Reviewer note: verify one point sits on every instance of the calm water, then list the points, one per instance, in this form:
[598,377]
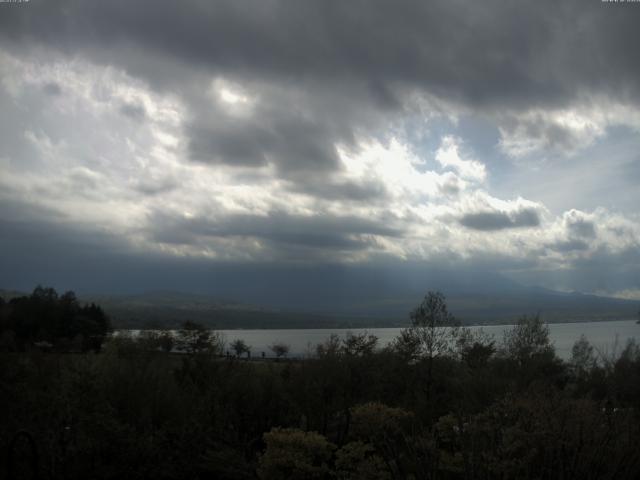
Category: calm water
[605,336]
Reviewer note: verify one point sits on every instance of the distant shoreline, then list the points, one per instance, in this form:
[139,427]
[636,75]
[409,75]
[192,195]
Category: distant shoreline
[365,327]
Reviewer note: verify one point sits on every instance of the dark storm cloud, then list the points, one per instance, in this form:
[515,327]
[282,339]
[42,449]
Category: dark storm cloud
[317,231]
[369,191]
[86,260]
[291,143]
[349,62]
[480,52]
[91,261]
[233,146]
[489,221]
[39,246]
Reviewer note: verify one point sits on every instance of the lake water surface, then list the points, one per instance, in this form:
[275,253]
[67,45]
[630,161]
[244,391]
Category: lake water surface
[606,337]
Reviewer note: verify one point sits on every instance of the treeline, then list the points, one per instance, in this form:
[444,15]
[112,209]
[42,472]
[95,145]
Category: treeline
[438,403]
[49,321]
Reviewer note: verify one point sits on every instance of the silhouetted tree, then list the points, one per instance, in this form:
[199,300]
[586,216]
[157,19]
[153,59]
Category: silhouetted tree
[195,338]
[44,318]
[280,349]
[406,345]
[432,333]
[528,338]
[332,346]
[475,348]
[359,344]
[583,357]
[239,346]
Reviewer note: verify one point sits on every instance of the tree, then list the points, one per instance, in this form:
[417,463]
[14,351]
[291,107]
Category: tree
[44,294]
[583,358]
[359,461]
[196,338]
[166,342]
[433,325]
[432,333]
[292,454]
[359,345]
[375,422]
[330,348]
[239,346]
[475,348]
[528,338]
[44,318]
[386,428]
[433,329]
[406,345]
[94,323]
[280,349]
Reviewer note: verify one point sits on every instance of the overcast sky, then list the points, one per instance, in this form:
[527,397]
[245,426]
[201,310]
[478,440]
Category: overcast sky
[157,143]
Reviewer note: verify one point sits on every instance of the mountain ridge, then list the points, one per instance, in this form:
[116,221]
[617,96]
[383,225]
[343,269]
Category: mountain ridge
[168,309]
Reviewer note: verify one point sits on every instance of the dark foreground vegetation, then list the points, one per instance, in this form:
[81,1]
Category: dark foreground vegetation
[439,403]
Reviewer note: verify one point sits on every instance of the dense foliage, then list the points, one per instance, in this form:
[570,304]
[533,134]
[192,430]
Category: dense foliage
[474,408]
[50,321]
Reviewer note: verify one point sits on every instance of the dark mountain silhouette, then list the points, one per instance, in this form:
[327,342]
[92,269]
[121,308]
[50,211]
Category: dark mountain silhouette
[334,297]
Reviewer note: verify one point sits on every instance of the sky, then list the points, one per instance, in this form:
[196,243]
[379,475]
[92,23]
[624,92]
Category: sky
[184,145]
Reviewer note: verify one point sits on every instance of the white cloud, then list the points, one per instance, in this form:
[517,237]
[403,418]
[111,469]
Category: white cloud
[232,96]
[564,131]
[448,155]
[95,165]
[396,166]
[626,294]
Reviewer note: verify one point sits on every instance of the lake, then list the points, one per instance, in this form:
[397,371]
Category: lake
[606,337]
